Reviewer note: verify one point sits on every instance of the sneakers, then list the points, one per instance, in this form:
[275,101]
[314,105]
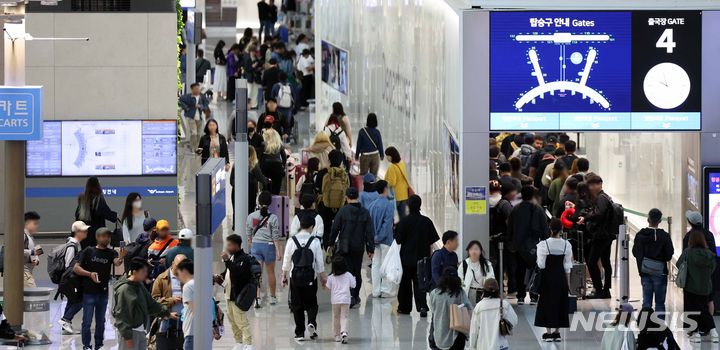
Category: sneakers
[600,294]
[521,301]
[299,338]
[258,303]
[547,337]
[556,337]
[533,301]
[344,337]
[696,338]
[249,347]
[354,302]
[273,300]
[66,327]
[239,347]
[338,339]
[312,331]
[714,335]
[423,313]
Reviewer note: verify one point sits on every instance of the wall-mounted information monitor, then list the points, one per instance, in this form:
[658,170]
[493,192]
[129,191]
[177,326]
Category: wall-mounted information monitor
[579,71]
[712,202]
[104,148]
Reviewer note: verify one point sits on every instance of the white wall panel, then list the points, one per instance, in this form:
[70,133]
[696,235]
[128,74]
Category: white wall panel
[42,26]
[44,76]
[115,39]
[104,93]
[159,78]
[160,28]
[404,66]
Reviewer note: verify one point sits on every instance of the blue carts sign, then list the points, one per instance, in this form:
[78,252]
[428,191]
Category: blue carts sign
[20,113]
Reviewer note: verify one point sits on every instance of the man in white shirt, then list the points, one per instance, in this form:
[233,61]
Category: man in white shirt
[72,248]
[307,202]
[303,293]
[306,64]
[185,271]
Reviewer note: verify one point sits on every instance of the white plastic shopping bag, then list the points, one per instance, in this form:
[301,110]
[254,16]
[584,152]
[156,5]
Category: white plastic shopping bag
[391,271]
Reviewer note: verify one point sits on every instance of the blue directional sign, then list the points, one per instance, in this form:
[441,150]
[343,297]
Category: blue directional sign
[20,113]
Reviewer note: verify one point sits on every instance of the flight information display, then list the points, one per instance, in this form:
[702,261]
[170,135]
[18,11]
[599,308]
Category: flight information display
[579,71]
[712,203]
[104,148]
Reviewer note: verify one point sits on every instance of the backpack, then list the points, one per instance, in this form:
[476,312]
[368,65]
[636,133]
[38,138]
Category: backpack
[424,273]
[284,97]
[2,255]
[247,295]
[56,261]
[136,250]
[617,219]
[525,159]
[303,273]
[335,138]
[308,187]
[334,185]
[69,284]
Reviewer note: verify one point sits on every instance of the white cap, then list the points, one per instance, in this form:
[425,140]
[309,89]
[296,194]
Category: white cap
[186,233]
[79,226]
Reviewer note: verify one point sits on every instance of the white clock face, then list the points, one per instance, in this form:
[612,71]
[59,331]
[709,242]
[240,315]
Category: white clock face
[666,85]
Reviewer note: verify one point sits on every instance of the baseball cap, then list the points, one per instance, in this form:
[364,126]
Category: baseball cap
[79,226]
[694,217]
[149,224]
[186,233]
[352,193]
[369,178]
[270,120]
[162,224]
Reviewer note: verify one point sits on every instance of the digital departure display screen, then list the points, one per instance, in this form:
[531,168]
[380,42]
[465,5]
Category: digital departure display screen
[712,203]
[595,70]
[104,148]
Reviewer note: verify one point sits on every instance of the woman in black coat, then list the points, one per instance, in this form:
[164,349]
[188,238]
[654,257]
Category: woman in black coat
[93,210]
[213,144]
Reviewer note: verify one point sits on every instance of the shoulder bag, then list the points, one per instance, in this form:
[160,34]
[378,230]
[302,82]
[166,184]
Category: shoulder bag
[460,318]
[650,266]
[371,139]
[505,326]
[411,191]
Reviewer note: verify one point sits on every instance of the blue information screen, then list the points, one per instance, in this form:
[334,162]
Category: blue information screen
[574,71]
[218,196]
[712,201]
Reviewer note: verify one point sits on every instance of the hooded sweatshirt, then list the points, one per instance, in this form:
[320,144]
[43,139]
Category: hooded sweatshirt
[652,243]
[133,304]
[321,151]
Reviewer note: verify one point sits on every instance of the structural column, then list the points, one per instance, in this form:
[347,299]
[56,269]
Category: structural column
[14,167]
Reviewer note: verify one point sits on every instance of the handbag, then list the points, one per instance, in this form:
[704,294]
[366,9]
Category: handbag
[652,267]
[535,281]
[460,318]
[505,326]
[411,191]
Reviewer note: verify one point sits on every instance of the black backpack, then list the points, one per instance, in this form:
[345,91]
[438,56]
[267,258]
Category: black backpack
[616,219]
[303,259]
[136,250]
[308,187]
[247,295]
[424,273]
[335,139]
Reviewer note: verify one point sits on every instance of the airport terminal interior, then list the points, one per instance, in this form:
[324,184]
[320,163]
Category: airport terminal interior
[421,174]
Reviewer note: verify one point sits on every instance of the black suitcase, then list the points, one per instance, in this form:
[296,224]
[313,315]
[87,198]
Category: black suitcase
[577,285]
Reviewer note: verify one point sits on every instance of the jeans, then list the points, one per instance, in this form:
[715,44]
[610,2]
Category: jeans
[377,260]
[94,305]
[654,285]
[71,309]
[402,208]
[268,27]
[188,344]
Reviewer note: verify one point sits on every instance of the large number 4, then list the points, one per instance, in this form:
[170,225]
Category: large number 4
[666,41]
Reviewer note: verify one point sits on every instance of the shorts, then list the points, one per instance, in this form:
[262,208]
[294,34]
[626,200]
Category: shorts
[263,251]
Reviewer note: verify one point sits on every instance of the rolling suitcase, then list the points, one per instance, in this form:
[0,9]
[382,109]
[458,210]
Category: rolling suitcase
[280,206]
[577,273]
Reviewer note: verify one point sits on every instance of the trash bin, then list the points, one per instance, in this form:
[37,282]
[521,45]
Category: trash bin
[36,314]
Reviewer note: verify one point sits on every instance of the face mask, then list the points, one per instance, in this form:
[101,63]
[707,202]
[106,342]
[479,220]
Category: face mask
[137,204]
[251,130]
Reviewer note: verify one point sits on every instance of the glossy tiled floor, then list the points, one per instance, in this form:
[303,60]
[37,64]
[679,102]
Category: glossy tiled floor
[374,325]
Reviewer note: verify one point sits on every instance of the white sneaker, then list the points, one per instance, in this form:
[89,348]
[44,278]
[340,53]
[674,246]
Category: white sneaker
[66,327]
[344,337]
[249,347]
[714,335]
[337,339]
[312,331]
[239,346]
[273,300]
[696,338]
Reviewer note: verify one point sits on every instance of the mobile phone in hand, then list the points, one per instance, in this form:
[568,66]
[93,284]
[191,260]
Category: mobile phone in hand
[122,244]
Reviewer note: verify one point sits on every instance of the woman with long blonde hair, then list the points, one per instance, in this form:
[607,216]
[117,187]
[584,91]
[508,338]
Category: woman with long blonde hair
[272,161]
[320,149]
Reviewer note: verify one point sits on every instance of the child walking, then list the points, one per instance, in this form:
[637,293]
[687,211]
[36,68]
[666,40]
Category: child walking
[340,283]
